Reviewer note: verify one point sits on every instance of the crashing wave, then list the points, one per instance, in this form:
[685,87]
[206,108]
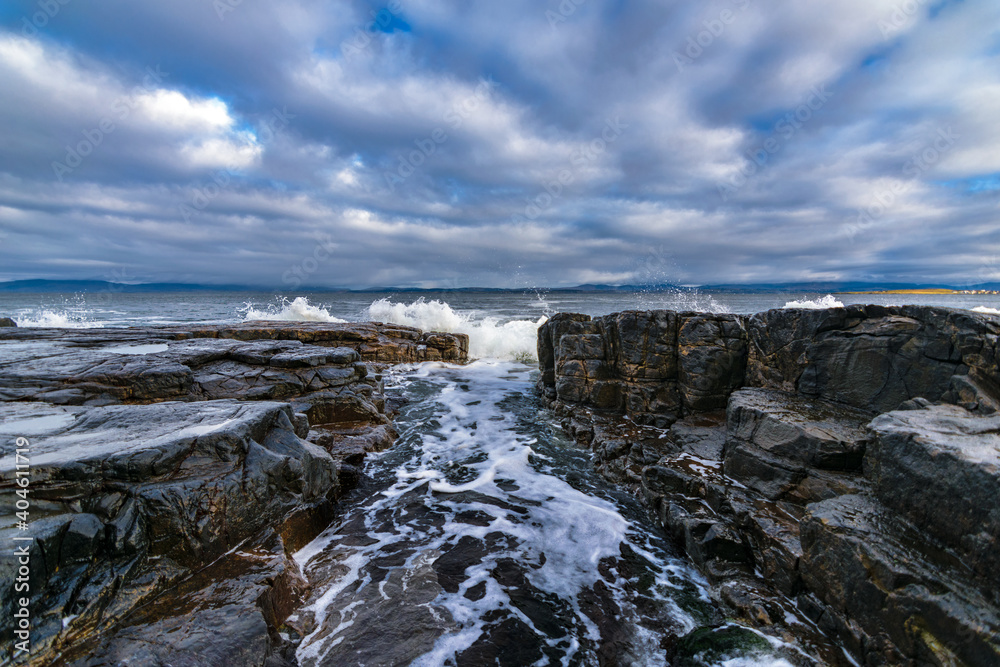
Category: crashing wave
[297,310]
[489,337]
[828,301]
[59,320]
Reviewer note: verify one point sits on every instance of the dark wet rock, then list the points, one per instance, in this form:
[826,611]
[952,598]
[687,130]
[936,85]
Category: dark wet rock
[349,475]
[940,468]
[702,434]
[351,444]
[453,563]
[712,352]
[773,533]
[177,370]
[622,363]
[801,388]
[223,614]
[906,595]
[333,408]
[7,322]
[782,445]
[709,541]
[876,357]
[372,341]
[391,623]
[705,646]
[505,643]
[549,335]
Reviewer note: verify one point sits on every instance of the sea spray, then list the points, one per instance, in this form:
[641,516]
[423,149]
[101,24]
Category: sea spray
[489,337]
[828,301]
[57,319]
[297,310]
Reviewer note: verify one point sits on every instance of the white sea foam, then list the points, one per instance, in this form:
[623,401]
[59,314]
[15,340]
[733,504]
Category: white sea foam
[57,319]
[297,310]
[489,337]
[986,309]
[692,299]
[756,661]
[828,301]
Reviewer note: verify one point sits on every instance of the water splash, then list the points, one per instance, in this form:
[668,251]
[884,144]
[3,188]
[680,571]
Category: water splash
[297,310]
[64,319]
[489,337]
[828,301]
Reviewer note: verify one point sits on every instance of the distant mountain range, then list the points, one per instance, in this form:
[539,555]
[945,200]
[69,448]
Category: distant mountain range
[84,286]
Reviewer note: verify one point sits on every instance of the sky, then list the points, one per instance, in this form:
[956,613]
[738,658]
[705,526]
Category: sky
[524,143]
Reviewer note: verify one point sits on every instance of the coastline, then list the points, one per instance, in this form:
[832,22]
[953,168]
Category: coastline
[927,292]
[217,451]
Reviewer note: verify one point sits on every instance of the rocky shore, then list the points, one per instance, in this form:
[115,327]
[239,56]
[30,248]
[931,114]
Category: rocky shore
[173,470]
[835,474]
[842,464]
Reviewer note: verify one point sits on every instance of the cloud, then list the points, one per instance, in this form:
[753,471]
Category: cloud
[470,144]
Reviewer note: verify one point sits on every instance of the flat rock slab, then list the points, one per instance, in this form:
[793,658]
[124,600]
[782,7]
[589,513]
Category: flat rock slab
[126,441]
[374,341]
[940,467]
[816,432]
[200,369]
[126,498]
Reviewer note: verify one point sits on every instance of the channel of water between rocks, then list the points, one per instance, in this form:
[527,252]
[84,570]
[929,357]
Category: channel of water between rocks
[485,536]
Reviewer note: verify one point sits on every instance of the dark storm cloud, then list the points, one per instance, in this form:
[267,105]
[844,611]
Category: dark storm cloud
[503,144]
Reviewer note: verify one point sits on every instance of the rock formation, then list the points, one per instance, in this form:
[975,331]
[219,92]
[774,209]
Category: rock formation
[846,461]
[173,472]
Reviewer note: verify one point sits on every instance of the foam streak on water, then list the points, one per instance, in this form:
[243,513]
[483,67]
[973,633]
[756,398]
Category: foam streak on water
[485,533]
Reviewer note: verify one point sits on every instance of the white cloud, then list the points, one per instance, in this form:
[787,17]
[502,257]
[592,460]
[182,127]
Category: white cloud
[354,121]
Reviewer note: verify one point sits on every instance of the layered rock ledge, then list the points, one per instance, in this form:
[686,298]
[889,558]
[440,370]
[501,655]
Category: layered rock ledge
[838,466]
[173,470]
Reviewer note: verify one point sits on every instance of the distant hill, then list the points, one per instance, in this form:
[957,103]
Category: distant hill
[840,287]
[84,286]
[74,286]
